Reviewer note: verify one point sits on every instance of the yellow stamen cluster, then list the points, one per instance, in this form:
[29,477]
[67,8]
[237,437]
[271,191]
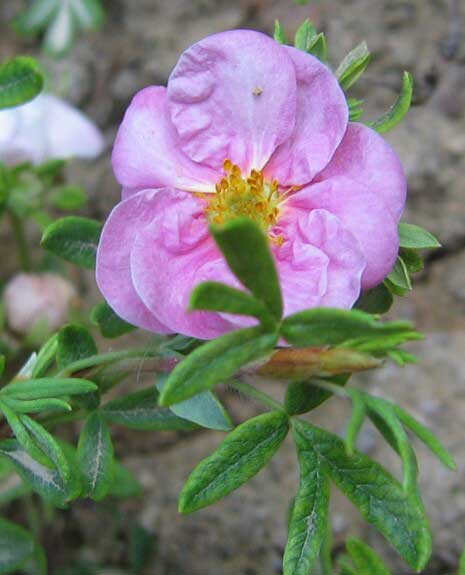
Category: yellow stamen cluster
[239,196]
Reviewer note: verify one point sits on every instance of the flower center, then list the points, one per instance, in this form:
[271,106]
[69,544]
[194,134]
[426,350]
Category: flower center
[237,196]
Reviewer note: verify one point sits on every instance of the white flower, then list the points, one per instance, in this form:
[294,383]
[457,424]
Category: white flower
[34,299]
[47,128]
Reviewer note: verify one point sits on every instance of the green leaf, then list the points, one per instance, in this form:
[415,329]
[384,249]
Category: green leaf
[353,66]
[124,484]
[355,424]
[95,456]
[45,357]
[416,238]
[279,34]
[109,324]
[16,547]
[318,47]
[74,343]
[68,197]
[204,409]
[73,239]
[2,365]
[428,438]
[61,31]
[53,450]
[47,387]
[366,561]
[304,36]
[45,481]
[379,497]
[399,275]
[140,410]
[309,519]
[23,436]
[36,16]
[248,254]
[243,453]
[398,111]
[303,396]
[20,82]
[331,326]
[36,405]
[215,362]
[377,300]
[142,545]
[88,13]
[214,296]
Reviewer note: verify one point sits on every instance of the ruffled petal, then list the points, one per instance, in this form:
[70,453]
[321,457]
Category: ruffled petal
[319,263]
[321,121]
[233,95]
[147,153]
[113,259]
[363,213]
[366,158]
[173,254]
[69,132]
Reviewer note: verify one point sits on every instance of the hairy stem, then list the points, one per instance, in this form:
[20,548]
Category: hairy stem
[256,394]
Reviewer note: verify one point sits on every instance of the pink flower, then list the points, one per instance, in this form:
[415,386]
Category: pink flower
[47,128]
[246,127]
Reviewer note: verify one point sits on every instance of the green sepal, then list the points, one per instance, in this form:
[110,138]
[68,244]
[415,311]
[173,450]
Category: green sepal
[377,300]
[279,35]
[304,35]
[398,111]
[353,66]
[416,238]
[108,322]
[319,47]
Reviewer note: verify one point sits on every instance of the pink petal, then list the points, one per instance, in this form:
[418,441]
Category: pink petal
[173,254]
[320,263]
[69,132]
[233,95]
[321,122]
[366,158]
[363,213]
[147,154]
[113,259]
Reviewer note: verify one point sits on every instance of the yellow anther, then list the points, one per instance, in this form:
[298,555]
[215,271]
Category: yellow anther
[252,196]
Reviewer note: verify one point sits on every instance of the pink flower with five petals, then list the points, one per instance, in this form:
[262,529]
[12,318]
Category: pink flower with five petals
[249,127]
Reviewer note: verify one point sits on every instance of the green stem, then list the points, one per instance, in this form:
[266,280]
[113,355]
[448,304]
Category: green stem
[21,241]
[105,358]
[256,394]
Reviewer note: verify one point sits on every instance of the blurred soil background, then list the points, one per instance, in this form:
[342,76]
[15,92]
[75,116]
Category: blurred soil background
[245,534]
